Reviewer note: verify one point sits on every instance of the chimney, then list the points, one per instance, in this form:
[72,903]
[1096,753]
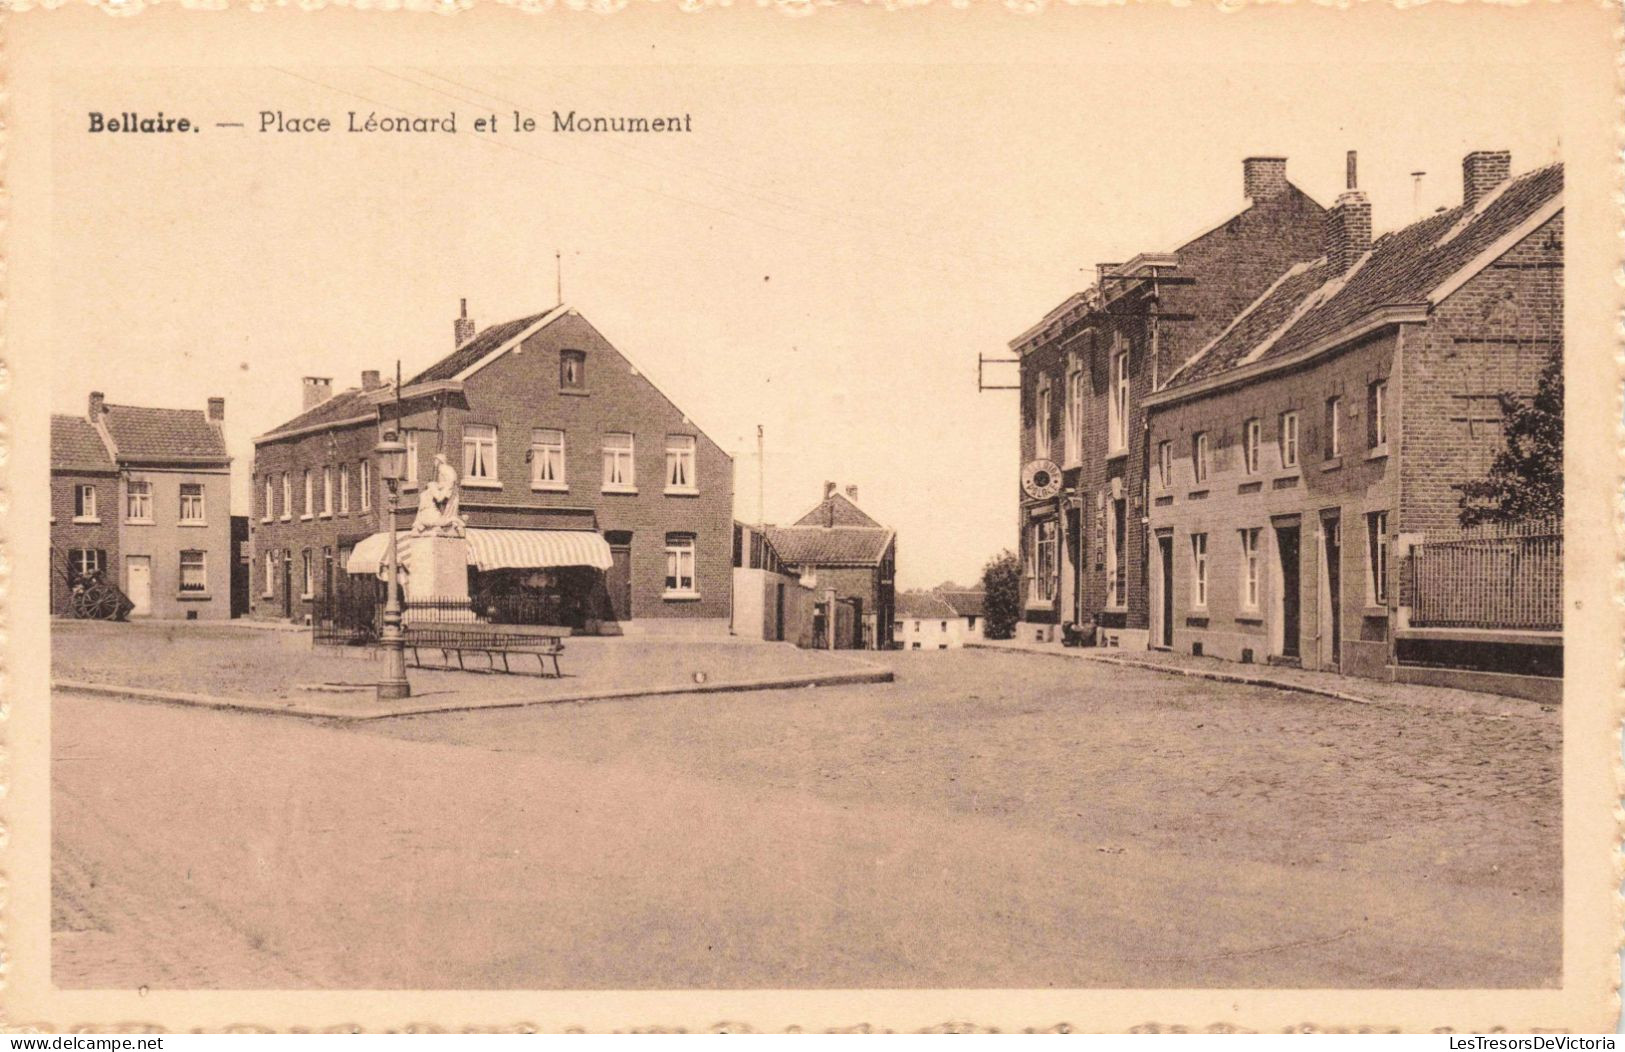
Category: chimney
[317,389]
[1263,177]
[1481,172]
[463,327]
[829,490]
[217,410]
[96,408]
[852,494]
[370,380]
[1348,225]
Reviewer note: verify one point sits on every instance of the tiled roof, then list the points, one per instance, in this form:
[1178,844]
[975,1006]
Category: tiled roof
[486,341]
[1309,304]
[75,444]
[804,546]
[143,433]
[923,605]
[966,603]
[837,510]
[345,405]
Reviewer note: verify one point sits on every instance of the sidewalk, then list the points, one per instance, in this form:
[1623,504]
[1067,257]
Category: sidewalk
[1323,684]
[277,672]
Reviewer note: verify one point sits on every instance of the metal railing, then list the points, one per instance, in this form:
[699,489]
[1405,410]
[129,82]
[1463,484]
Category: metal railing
[1507,577]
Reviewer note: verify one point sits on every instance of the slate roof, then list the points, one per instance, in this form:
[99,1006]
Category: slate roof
[75,444]
[966,603]
[345,405]
[923,605]
[837,510]
[483,343]
[1308,303]
[804,546]
[143,433]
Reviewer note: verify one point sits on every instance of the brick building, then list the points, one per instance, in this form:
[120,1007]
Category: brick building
[1086,369]
[1313,443]
[837,545]
[555,435]
[143,496]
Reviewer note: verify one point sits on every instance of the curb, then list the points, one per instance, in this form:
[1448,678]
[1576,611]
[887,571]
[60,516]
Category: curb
[870,674]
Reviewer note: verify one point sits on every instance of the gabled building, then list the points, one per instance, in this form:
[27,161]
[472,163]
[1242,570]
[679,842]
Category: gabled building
[142,496]
[938,620]
[837,545]
[1086,370]
[1312,444]
[569,460]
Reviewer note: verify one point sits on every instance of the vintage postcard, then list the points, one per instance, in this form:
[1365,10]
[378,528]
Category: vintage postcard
[1022,518]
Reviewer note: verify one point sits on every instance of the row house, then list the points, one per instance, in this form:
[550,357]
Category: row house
[141,497]
[1086,370]
[941,619]
[1310,446]
[838,546]
[565,451]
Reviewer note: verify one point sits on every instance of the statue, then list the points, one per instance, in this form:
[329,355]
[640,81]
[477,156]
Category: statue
[437,504]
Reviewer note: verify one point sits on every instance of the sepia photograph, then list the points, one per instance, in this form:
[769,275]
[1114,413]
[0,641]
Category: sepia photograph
[781,513]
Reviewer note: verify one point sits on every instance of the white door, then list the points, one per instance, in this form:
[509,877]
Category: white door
[138,583]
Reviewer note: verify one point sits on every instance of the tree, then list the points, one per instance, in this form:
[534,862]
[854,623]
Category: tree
[1001,604]
[1525,481]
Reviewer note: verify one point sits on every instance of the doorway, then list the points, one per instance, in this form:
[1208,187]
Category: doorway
[1331,532]
[618,578]
[1288,599]
[778,613]
[1165,568]
[287,584]
[138,576]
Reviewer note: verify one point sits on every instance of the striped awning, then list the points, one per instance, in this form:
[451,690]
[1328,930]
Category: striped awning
[496,550]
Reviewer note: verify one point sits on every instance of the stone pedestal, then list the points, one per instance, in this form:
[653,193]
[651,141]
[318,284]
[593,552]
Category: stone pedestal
[438,572]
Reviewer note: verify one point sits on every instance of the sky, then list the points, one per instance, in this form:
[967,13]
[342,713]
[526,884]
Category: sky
[825,255]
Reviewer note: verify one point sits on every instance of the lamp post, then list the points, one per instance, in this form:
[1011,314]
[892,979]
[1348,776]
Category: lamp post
[392,684]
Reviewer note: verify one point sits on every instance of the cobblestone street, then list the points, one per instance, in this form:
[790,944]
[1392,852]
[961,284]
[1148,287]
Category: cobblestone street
[987,820]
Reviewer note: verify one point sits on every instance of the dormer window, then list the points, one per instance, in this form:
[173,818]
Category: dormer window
[572,370]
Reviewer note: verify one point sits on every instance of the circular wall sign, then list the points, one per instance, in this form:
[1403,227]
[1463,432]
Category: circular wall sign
[1041,479]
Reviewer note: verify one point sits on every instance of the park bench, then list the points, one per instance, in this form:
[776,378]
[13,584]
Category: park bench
[457,638]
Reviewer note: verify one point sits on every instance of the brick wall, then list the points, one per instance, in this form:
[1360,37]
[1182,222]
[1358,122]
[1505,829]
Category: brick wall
[67,535]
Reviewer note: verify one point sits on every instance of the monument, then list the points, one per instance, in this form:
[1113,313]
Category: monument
[438,566]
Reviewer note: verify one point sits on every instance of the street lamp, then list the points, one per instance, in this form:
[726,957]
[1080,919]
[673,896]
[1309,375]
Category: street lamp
[391,454]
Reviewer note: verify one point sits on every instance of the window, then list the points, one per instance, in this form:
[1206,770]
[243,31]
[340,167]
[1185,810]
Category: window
[366,485]
[194,572]
[572,370]
[680,464]
[84,503]
[1165,463]
[344,489]
[1117,411]
[1376,538]
[1041,422]
[1249,568]
[479,453]
[618,467]
[310,496]
[1041,564]
[680,564]
[192,502]
[270,576]
[1251,432]
[1199,456]
[944,627]
[138,501]
[327,490]
[1334,427]
[411,440]
[287,497]
[1074,416]
[1376,405]
[547,459]
[1289,440]
[82,561]
[310,575]
[270,501]
[1199,570]
[1117,556]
